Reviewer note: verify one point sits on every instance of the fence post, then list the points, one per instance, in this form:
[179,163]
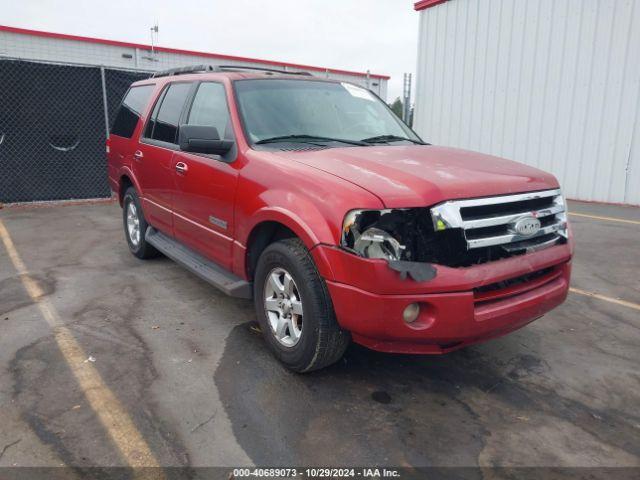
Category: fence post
[104,102]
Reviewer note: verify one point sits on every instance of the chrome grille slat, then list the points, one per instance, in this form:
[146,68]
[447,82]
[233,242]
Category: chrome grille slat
[449,215]
[506,219]
[512,238]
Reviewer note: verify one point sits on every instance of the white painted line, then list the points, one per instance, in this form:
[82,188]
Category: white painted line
[617,301]
[608,219]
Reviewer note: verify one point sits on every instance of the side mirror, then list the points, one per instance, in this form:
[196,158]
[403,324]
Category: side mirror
[202,139]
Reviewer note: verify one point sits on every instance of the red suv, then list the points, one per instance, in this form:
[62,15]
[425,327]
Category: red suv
[310,196]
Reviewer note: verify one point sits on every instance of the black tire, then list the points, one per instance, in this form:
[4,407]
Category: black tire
[142,250]
[322,342]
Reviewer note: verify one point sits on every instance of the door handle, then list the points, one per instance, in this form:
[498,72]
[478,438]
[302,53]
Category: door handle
[138,155]
[181,167]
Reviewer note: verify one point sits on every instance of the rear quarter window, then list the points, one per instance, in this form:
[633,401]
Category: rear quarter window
[130,110]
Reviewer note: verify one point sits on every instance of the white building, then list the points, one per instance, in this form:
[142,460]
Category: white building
[23,44]
[550,83]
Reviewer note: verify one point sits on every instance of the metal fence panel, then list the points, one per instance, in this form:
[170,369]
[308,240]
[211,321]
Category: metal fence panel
[52,129]
[118,82]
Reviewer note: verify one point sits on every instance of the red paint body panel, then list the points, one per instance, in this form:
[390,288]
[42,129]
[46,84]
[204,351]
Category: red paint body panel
[447,320]
[310,193]
[154,172]
[414,176]
[374,276]
[207,189]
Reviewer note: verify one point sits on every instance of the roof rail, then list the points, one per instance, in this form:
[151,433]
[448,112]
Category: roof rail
[218,68]
[231,68]
[185,70]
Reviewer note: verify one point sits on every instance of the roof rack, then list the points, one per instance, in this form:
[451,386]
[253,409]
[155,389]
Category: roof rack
[219,68]
[231,68]
[185,70]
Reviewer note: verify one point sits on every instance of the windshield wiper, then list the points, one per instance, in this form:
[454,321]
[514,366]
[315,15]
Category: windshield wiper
[308,139]
[390,138]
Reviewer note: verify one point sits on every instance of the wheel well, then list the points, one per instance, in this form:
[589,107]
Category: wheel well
[263,235]
[125,183]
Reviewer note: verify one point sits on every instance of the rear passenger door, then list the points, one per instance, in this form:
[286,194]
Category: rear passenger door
[153,159]
[205,185]
[121,144]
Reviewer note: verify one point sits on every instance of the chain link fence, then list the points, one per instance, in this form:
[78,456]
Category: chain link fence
[53,129]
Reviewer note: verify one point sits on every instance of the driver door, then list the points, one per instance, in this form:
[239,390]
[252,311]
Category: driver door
[205,184]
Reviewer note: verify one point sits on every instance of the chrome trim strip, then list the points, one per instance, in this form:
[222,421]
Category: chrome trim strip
[512,237]
[530,248]
[448,215]
[449,211]
[196,224]
[494,221]
[147,199]
[476,202]
[210,230]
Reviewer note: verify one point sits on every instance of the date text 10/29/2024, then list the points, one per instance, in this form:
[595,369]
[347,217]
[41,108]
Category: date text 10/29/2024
[321,472]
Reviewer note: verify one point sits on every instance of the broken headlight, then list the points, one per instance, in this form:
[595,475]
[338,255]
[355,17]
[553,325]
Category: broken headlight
[369,234]
[401,234]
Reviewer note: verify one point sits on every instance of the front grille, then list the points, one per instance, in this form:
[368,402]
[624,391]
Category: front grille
[512,282]
[491,221]
[495,210]
[516,286]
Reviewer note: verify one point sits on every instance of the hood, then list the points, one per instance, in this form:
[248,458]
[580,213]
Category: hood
[417,175]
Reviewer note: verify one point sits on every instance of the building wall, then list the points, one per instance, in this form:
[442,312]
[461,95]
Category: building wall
[51,49]
[551,83]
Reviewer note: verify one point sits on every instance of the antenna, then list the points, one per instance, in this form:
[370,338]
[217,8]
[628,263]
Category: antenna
[406,98]
[154,29]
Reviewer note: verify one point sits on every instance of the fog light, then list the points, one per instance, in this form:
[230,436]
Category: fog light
[411,312]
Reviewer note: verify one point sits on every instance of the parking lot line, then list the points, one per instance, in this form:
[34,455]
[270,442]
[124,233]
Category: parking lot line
[112,414]
[608,219]
[617,301]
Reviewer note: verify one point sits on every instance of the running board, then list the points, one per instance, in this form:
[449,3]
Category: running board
[196,263]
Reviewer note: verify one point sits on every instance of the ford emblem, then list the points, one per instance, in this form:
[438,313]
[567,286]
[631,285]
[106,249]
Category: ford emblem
[526,226]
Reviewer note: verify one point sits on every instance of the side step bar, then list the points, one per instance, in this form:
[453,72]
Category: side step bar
[202,267]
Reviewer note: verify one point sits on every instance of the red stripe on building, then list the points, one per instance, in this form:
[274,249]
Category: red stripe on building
[424,4]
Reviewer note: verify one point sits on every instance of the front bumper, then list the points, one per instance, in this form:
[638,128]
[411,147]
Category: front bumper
[460,306]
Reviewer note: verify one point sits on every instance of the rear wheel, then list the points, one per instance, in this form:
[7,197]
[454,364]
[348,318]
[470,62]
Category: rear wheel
[295,310]
[135,226]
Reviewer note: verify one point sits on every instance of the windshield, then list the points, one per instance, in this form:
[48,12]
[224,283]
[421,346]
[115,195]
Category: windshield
[311,110]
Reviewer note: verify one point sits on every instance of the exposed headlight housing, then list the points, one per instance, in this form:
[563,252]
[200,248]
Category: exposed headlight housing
[362,238]
[376,243]
[402,234]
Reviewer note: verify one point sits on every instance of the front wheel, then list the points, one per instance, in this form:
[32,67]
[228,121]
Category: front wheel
[294,308]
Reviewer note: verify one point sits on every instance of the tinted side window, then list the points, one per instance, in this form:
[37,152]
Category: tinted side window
[166,123]
[151,123]
[129,112]
[210,108]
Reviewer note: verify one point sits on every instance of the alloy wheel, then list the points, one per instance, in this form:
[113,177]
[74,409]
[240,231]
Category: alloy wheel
[283,307]
[133,224]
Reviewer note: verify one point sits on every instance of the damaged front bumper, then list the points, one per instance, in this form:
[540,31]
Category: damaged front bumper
[458,306]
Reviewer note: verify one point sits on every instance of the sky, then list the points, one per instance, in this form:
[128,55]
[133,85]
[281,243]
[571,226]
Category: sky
[376,35]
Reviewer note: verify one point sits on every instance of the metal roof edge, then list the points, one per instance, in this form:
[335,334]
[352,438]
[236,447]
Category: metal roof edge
[424,4]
